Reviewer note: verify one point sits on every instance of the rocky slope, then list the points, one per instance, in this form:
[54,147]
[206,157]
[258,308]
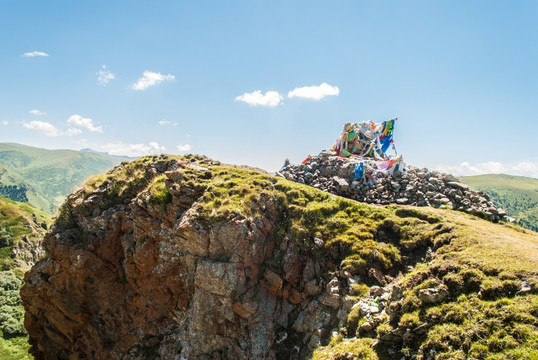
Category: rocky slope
[186,258]
[22,228]
[410,185]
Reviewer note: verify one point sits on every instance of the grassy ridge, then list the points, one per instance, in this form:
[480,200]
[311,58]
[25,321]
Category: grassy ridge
[47,175]
[517,195]
[483,265]
[16,222]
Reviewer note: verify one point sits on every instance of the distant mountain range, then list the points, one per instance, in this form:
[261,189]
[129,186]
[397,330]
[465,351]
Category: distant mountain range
[43,177]
[517,195]
[118,157]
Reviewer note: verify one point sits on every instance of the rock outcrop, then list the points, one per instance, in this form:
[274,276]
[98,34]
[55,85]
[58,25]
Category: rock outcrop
[418,187]
[184,258]
[148,277]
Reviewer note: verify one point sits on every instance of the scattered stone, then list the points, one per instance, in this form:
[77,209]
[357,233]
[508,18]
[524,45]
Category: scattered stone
[410,186]
[378,275]
[318,242]
[408,336]
[525,288]
[332,300]
[367,326]
[376,291]
[433,295]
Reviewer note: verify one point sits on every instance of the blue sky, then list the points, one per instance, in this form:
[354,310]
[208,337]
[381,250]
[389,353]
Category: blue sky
[215,78]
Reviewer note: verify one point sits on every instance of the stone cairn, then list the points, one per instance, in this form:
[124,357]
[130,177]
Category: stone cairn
[403,185]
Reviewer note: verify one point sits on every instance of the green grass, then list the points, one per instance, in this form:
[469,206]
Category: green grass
[501,328]
[481,263]
[517,195]
[15,222]
[15,349]
[49,175]
[358,349]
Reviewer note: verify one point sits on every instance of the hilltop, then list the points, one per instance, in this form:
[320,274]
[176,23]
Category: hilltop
[43,177]
[22,228]
[184,256]
[518,195]
[390,181]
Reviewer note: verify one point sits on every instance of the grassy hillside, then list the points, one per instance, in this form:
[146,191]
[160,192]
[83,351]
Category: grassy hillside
[483,276]
[517,195]
[19,230]
[45,177]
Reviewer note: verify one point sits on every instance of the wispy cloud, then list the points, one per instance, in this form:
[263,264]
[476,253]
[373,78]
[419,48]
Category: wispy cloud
[314,92]
[183,148]
[122,149]
[37,112]
[84,123]
[256,98]
[48,129]
[42,127]
[34,54]
[4,122]
[165,122]
[150,79]
[522,168]
[104,75]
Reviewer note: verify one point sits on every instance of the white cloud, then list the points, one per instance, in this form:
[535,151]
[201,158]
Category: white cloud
[4,122]
[523,168]
[256,98]
[122,149]
[104,75]
[527,167]
[42,127]
[314,92]
[84,123]
[183,148]
[34,54]
[150,79]
[48,129]
[37,112]
[167,122]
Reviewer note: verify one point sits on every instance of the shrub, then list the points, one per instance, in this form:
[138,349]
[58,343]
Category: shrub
[410,320]
[5,238]
[11,311]
[353,320]
[358,349]
[360,290]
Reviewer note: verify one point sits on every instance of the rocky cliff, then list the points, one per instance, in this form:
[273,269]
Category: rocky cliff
[186,258]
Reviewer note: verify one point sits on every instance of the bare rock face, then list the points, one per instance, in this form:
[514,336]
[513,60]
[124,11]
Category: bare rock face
[140,280]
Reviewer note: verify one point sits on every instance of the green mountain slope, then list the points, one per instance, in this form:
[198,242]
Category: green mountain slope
[22,228]
[518,195]
[44,178]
